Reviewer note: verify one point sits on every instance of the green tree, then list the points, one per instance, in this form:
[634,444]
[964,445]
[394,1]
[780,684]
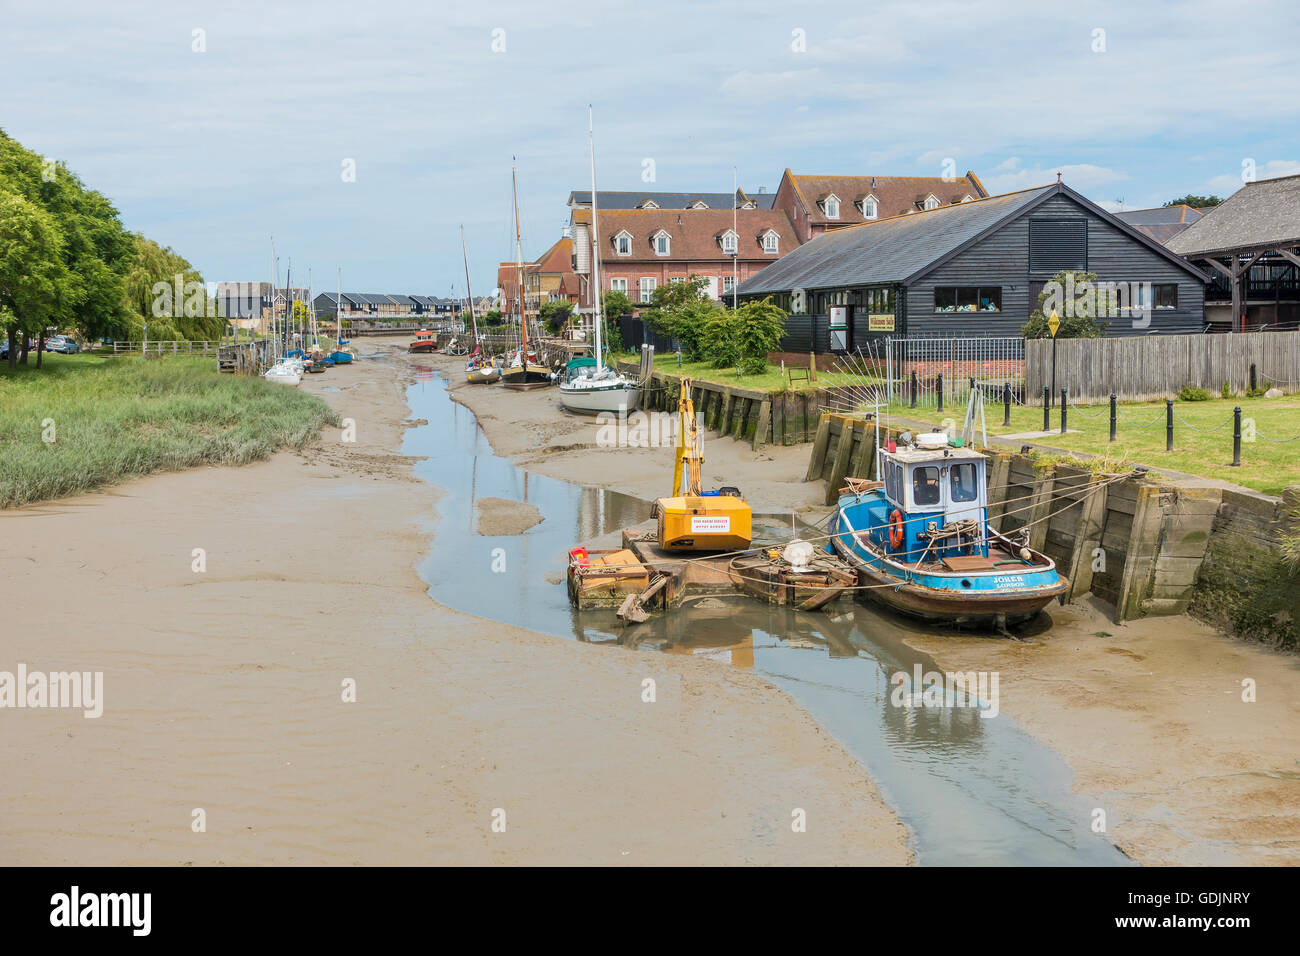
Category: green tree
[1073,296]
[152,297]
[683,311]
[759,328]
[33,277]
[555,315]
[1196,202]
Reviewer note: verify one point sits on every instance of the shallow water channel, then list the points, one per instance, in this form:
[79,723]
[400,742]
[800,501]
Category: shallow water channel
[971,790]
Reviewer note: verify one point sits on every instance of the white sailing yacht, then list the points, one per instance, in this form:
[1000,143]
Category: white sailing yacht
[593,387]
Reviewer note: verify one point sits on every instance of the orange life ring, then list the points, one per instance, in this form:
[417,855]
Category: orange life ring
[896,533]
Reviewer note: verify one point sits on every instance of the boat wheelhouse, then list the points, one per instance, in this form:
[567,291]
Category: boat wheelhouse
[921,541]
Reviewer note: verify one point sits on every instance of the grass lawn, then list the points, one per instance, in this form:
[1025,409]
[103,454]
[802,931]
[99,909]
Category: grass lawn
[770,381]
[115,418]
[1266,466]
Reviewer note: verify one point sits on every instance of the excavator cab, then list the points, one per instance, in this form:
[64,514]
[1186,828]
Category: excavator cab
[693,519]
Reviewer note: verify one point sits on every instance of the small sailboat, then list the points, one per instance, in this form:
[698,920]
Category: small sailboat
[921,541]
[523,371]
[283,372]
[479,369]
[590,386]
[340,355]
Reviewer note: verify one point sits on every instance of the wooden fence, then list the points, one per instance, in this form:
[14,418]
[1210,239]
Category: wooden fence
[1142,368]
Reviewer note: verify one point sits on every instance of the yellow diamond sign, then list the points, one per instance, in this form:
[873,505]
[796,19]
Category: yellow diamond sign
[1054,323]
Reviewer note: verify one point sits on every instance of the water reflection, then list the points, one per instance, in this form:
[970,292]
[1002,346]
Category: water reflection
[970,789]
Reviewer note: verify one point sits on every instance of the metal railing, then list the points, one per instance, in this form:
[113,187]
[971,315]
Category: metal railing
[173,347]
[940,373]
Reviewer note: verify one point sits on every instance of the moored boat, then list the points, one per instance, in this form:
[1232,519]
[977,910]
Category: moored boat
[591,389]
[921,541]
[425,341]
[285,373]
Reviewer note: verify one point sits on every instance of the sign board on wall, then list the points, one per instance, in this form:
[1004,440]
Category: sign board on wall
[880,322]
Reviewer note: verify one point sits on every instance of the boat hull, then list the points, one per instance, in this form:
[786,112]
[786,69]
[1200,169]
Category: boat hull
[422,347]
[483,376]
[526,377]
[594,400]
[958,599]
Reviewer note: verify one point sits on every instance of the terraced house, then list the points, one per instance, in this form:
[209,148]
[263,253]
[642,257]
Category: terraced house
[643,248]
[819,204]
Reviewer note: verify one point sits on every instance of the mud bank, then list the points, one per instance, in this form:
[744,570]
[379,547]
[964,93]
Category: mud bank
[224,692]
[1149,714]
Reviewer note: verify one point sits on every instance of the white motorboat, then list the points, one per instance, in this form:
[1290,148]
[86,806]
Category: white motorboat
[286,372]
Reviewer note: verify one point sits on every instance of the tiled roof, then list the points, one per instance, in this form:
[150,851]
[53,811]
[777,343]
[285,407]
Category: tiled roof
[558,258]
[1260,215]
[889,250]
[895,195]
[695,233]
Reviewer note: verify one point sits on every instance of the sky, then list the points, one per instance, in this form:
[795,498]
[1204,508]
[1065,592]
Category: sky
[219,128]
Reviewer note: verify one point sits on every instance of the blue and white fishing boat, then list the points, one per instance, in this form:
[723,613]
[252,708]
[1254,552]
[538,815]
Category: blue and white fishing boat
[924,529]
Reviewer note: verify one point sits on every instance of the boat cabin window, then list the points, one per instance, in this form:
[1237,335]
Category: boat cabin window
[925,485]
[894,482]
[963,482]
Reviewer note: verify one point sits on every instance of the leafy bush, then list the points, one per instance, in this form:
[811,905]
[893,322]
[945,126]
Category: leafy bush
[1192,393]
[1083,323]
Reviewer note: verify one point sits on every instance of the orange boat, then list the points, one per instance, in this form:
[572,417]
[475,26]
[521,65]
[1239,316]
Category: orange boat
[424,342]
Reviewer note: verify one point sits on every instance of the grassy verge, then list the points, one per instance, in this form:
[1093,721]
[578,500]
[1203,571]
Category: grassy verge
[116,418]
[770,381]
[1202,436]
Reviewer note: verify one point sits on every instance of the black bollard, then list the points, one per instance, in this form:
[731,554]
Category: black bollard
[938,389]
[1254,382]
[1236,432]
[1047,409]
[1169,424]
[914,388]
[1063,411]
[1006,404]
[1112,416]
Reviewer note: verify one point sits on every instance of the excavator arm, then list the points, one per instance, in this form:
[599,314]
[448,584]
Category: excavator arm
[689,459]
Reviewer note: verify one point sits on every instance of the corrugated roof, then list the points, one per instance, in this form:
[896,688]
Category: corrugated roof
[1260,215]
[888,250]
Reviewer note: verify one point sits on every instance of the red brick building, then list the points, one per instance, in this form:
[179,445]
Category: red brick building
[642,249]
[817,204]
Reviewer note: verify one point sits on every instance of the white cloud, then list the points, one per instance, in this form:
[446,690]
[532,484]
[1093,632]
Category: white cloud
[1228,183]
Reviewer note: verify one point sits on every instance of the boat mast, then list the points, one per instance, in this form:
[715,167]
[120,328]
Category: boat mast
[469,292]
[595,242]
[519,261]
[338,314]
[270,329]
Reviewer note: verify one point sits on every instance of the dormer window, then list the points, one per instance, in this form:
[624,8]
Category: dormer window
[968,198]
[749,204]
[698,204]
[771,240]
[931,202]
[870,207]
[831,206]
[623,243]
[662,242]
[648,204]
[729,242]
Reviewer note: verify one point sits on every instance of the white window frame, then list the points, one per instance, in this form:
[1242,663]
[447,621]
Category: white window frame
[728,285]
[649,204]
[618,243]
[870,207]
[828,202]
[647,287]
[618,284]
[771,241]
[931,202]
[734,239]
[698,204]
[968,198]
[668,243]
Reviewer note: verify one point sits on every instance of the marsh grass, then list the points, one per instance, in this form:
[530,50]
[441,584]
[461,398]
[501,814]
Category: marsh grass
[117,418]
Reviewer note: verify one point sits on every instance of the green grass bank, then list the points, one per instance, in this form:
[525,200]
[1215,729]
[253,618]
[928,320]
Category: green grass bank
[87,421]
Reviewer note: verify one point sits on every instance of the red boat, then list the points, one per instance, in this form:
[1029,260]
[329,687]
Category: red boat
[425,341]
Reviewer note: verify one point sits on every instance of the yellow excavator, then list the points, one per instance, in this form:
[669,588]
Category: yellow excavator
[694,519]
